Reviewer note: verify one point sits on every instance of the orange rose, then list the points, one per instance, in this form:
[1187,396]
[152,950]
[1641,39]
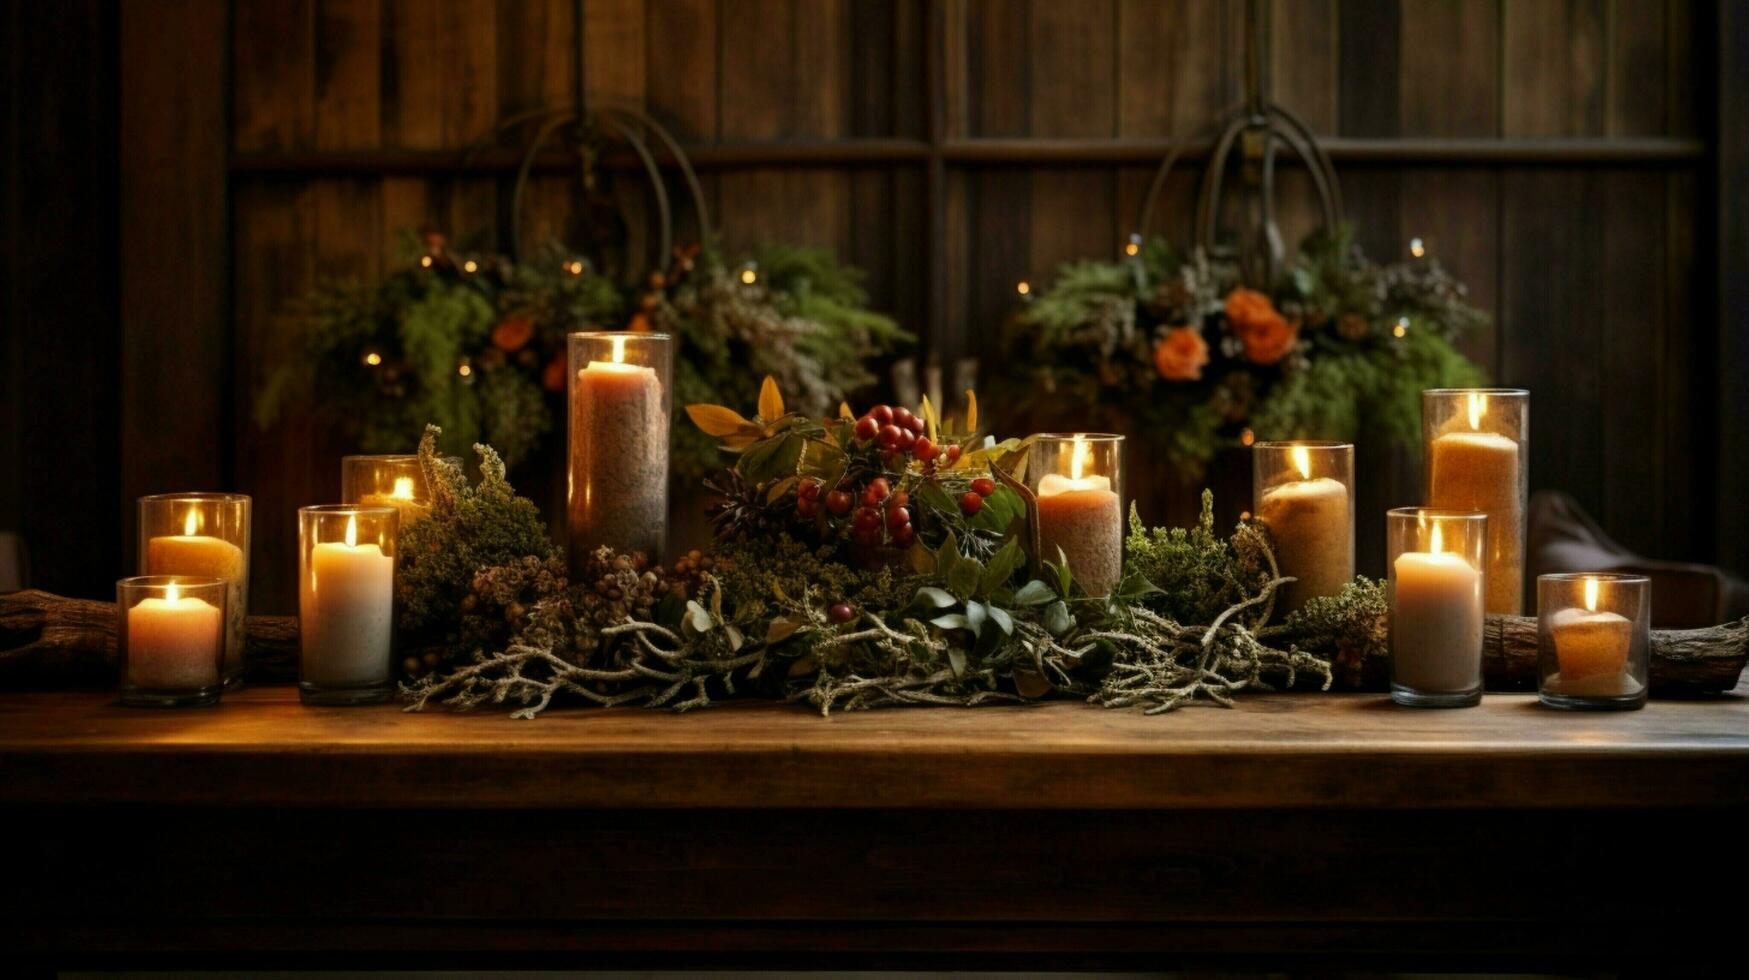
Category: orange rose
[1266,335]
[1181,354]
[513,333]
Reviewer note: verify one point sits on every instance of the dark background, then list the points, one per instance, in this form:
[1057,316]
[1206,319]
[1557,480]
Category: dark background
[174,174]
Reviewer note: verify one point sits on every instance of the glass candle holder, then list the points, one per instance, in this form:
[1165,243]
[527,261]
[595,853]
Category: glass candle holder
[1438,581]
[1078,480]
[395,481]
[346,602]
[170,639]
[1304,492]
[1594,640]
[1476,444]
[617,493]
[204,534]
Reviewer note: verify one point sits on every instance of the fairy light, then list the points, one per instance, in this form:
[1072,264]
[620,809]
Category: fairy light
[1023,287]
[424,261]
[372,359]
[465,369]
[1401,328]
[1247,437]
[749,276]
[1133,246]
[1417,248]
[470,266]
[574,267]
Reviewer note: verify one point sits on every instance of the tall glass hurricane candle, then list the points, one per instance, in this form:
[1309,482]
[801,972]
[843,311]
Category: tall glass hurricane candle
[388,481]
[204,534]
[170,639]
[617,494]
[1077,478]
[1594,645]
[346,602]
[1477,443]
[1437,582]
[1304,492]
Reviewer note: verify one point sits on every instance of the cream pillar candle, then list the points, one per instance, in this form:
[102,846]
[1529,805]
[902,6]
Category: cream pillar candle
[1436,608]
[1476,462]
[346,605]
[402,498]
[1311,518]
[389,480]
[170,638]
[618,492]
[1080,507]
[1593,645]
[173,642]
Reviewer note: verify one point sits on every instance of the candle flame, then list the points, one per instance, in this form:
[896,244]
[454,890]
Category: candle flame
[1591,595]
[1438,543]
[1302,462]
[190,522]
[172,593]
[1478,407]
[619,350]
[1078,458]
[352,531]
[403,488]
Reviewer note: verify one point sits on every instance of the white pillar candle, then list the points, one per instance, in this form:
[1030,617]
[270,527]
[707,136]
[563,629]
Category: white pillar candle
[1436,622]
[174,643]
[346,612]
[202,555]
[1082,516]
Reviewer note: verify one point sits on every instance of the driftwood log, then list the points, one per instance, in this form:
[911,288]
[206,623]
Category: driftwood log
[50,641]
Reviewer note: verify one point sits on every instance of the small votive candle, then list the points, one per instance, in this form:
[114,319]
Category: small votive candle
[1477,448]
[202,534]
[1304,493]
[617,493]
[395,481]
[1077,478]
[170,639]
[346,602]
[1438,579]
[1593,640]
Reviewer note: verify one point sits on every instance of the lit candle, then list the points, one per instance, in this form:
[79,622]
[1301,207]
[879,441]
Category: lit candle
[1082,516]
[174,643]
[1436,621]
[1313,527]
[403,498]
[195,554]
[346,613]
[619,458]
[1476,469]
[1591,648]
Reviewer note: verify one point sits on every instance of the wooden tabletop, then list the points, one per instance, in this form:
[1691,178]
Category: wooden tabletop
[261,747]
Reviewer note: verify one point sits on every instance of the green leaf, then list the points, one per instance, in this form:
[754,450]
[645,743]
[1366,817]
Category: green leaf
[1135,585]
[823,461]
[1034,593]
[781,487]
[933,598]
[1000,510]
[1003,621]
[935,498]
[1057,618]
[1001,567]
[963,578]
[976,614]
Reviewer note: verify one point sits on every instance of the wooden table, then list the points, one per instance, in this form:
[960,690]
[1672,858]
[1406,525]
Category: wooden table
[1321,829]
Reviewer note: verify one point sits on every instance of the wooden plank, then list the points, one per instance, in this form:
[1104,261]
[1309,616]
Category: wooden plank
[1446,88]
[1304,64]
[467,49]
[1682,504]
[273,57]
[1073,93]
[1553,60]
[175,398]
[413,96]
[1731,261]
[1318,751]
[537,54]
[684,99]
[998,69]
[1369,34]
[348,68]
[1456,214]
[1627,341]
[1638,72]
[1170,73]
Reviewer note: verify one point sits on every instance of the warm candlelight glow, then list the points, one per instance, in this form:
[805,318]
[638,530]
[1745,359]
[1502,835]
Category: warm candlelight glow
[1591,594]
[403,488]
[191,523]
[172,593]
[1478,406]
[352,531]
[1078,458]
[619,350]
[1437,545]
[1302,462]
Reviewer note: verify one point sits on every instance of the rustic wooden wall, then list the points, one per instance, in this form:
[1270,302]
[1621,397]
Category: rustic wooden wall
[1559,155]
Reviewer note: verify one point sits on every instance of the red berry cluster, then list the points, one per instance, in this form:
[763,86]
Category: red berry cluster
[899,433]
[972,500]
[882,515]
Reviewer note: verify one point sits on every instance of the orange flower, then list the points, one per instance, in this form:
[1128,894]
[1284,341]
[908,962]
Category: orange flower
[513,332]
[1181,354]
[1266,335]
[640,323]
[553,378]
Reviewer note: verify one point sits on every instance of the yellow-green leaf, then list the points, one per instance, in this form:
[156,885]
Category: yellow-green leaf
[770,400]
[929,419]
[716,420]
[845,413]
[971,411]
